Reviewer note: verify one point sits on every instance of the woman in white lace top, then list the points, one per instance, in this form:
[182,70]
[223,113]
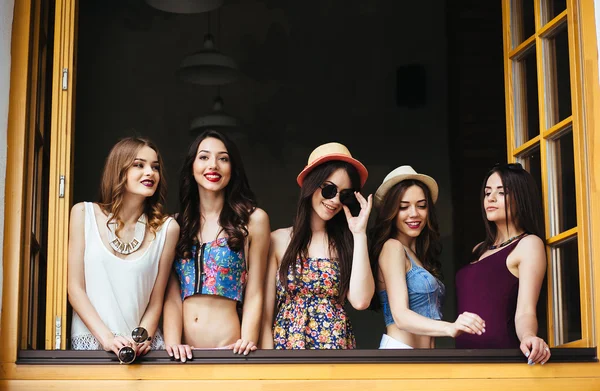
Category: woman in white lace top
[120,253]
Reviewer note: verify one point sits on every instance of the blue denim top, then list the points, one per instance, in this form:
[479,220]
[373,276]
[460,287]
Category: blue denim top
[425,294]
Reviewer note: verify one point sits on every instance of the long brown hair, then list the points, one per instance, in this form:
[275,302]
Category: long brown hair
[522,198]
[428,243]
[339,236]
[114,180]
[239,199]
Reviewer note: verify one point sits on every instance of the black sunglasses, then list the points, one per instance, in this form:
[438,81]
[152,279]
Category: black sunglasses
[329,191]
[127,354]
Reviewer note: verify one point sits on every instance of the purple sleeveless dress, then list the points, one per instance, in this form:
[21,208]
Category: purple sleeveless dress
[488,289]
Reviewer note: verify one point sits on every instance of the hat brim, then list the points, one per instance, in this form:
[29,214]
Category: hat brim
[387,185]
[362,170]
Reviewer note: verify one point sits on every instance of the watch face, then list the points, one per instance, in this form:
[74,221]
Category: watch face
[126,355]
[139,335]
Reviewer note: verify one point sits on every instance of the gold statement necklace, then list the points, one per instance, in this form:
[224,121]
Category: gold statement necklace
[508,241]
[118,244]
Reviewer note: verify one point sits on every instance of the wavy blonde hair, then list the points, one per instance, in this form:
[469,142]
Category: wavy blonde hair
[114,179]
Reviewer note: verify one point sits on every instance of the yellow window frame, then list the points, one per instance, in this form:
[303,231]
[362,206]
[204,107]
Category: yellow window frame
[290,376]
[518,149]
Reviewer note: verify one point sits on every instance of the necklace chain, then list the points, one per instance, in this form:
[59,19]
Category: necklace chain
[118,244]
[508,241]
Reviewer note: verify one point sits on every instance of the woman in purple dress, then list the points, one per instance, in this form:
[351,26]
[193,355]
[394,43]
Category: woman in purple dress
[503,281]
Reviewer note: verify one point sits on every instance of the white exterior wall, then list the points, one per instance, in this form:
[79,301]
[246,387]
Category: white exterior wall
[6,21]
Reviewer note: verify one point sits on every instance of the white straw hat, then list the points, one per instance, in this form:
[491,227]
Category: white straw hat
[400,174]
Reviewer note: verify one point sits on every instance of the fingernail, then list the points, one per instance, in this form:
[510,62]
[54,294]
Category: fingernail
[189,356]
[527,354]
[529,362]
[183,359]
[484,330]
[543,362]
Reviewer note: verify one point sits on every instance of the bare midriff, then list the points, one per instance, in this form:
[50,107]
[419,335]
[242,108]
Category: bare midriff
[412,340]
[210,322]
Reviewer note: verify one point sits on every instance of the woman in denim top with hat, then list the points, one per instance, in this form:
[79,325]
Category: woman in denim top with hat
[405,247]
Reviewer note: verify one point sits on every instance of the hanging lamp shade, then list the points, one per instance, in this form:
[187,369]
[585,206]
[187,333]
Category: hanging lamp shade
[216,119]
[185,6]
[208,66]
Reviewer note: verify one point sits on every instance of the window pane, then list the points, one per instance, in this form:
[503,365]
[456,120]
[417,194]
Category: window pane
[567,306]
[551,9]
[562,202]
[556,59]
[532,162]
[522,20]
[527,120]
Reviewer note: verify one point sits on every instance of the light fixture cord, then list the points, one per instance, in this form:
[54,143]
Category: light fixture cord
[219,41]
[219,25]
[208,21]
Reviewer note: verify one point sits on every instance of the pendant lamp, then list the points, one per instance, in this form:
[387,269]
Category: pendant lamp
[216,119]
[185,6]
[208,66]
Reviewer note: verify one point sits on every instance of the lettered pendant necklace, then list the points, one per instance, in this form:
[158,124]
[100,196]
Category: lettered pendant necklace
[138,238]
[508,241]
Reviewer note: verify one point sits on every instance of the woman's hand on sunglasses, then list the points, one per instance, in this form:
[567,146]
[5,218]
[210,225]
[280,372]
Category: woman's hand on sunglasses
[180,352]
[358,224]
[116,343]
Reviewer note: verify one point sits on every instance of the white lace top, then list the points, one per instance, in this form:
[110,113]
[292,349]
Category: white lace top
[118,289]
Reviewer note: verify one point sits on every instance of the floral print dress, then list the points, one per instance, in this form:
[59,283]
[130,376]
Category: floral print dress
[309,315]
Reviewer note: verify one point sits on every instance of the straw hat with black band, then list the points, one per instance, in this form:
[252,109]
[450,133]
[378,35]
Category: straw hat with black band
[330,152]
[403,173]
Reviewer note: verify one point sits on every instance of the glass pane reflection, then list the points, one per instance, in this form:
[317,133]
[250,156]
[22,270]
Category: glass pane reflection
[567,311]
[556,57]
[527,121]
[552,9]
[563,200]
[532,162]
[522,20]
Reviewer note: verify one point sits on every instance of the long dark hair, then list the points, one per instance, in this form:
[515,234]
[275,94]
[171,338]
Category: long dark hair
[239,199]
[428,243]
[521,196]
[339,237]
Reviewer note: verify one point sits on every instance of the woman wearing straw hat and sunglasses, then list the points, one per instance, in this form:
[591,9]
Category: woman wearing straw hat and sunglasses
[322,260]
[405,247]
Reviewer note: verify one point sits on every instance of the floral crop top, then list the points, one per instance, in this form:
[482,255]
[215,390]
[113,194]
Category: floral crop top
[223,271]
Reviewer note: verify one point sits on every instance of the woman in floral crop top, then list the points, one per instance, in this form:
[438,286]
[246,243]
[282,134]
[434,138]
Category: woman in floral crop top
[221,254]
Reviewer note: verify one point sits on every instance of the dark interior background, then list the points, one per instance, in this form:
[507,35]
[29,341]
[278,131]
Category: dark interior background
[418,83]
